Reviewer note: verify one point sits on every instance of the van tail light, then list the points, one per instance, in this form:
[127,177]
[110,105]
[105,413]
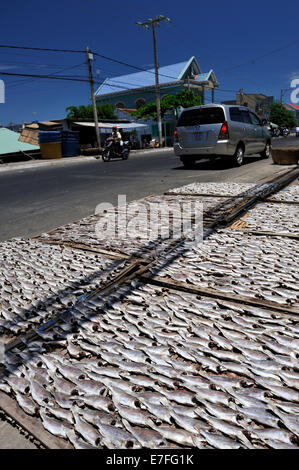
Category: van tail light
[223,134]
[176,137]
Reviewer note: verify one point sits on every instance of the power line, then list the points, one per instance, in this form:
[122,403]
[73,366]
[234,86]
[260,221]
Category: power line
[78,51]
[40,49]
[53,77]
[28,80]
[261,56]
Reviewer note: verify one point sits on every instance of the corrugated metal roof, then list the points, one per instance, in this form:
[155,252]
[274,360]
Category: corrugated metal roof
[9,142]
[110,125]
[167,74]
[202,77]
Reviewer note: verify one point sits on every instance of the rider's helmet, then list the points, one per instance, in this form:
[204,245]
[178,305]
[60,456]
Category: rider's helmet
[114,128]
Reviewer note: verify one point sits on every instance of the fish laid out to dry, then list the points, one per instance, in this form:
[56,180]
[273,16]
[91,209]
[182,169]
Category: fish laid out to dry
[274,218]
[145,366]
[38,280]
[235,263]
[179,370]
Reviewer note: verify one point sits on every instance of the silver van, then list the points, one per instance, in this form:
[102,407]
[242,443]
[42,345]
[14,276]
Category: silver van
[220,130]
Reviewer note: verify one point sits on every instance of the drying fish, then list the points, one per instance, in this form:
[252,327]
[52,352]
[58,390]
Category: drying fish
[160,411]
[115,438]
[123,398]
[221,412]
[135,416]
[89,387]
[18,384]
[64,400]
[79,443]
[142,381]
[87,431]
[221,442]
[260,415]
[273,434]
[291,422]
[93,416]
[27,404]
[161,380]
[176,435]
[227,428]
[152,398]
[40,395]
[69,372]
[98,402]
[284,392]
[64,385]
[60,413]
[182,397]
[147,437]
[54,426]
[213,396]
[193,425]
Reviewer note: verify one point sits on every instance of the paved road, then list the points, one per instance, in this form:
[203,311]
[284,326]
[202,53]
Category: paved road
[40,198]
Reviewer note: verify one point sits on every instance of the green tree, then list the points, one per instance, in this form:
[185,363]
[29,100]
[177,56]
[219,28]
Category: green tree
[281,116]
[185,98]
[104,111]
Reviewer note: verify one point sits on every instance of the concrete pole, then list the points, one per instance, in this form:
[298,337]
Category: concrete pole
[93,100]
[159,120]
[153,23]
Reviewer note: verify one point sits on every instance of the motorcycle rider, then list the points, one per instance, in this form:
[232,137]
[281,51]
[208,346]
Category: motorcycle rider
[117,139]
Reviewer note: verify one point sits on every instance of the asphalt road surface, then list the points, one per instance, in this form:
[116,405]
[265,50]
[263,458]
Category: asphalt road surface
[40,198]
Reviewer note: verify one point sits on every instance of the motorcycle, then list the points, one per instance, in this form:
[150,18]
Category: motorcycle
[113,149]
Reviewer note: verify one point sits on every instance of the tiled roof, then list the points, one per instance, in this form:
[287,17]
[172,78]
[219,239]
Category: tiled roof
[294,106]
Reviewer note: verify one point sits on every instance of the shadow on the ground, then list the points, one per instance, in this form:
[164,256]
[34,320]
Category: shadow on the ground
[217,164]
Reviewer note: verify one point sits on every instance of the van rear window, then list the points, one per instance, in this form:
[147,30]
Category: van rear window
[199,116]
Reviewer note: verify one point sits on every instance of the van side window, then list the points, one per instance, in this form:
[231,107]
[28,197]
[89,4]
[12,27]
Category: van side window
[246,117]
[235,115]
[254,119]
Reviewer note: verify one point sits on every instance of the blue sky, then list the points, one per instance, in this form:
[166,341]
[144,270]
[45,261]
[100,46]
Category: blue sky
[244,42]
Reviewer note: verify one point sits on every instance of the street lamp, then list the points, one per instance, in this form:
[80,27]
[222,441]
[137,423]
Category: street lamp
[153,23]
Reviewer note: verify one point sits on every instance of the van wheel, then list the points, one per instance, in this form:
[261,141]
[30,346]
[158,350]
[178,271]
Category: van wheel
[188,162]
[267,151]
[238,157]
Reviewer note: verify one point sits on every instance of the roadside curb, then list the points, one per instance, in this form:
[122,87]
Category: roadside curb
[67,160]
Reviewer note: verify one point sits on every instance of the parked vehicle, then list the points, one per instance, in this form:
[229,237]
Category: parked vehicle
[220,130]
[285,131]
[113,149]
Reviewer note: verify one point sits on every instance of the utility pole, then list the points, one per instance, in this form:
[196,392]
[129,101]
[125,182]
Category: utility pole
[241,97]
[153,23]
[95,114]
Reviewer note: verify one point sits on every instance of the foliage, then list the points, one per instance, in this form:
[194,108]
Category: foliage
[281,116]
[185,98]
[105,111]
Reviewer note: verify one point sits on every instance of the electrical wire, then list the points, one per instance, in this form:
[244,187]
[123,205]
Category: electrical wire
[40,49]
